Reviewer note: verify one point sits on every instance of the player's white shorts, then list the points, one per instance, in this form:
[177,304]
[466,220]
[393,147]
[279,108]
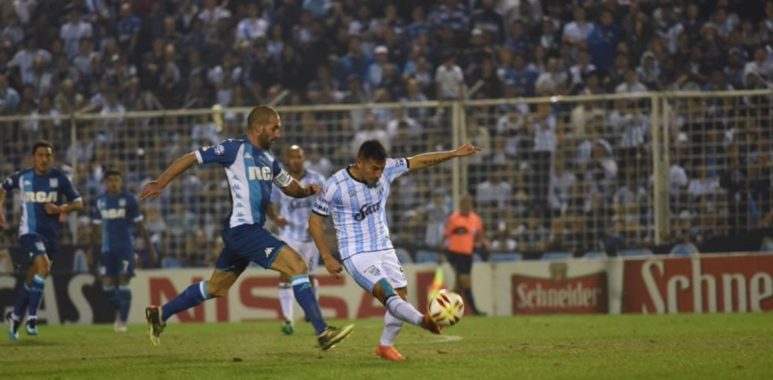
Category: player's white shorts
[368,268]
[308,252]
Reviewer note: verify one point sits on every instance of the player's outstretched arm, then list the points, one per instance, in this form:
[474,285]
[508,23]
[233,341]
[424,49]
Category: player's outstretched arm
[295,190]
[426,160]
[317,232]
[153,188]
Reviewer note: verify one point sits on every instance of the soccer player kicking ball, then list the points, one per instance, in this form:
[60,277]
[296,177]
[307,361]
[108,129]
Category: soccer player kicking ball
[356,197]
[117,213]
[43,191]
[250,170]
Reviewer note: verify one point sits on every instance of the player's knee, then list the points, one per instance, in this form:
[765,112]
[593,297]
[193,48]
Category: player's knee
[297,266]
[217,291]
[383,290]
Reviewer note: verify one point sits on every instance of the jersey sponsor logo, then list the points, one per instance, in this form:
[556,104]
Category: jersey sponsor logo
[40,196]
[262,173]
[113,213]
[460,231]
[367,210]
[300,203]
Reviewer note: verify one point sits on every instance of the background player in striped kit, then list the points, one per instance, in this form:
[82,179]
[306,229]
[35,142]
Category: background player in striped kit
[356,198]
[43,192]
[292,218]
[117,212]
[251,171]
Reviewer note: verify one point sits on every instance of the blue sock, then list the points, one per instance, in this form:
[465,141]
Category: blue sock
[111,295]
[305,297]
[36,293]
[125,301]
[190,297]
[21,301]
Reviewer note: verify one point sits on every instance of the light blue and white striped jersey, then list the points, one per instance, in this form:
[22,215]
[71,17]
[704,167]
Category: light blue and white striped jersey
[359,210]
[296,210]
[250,172]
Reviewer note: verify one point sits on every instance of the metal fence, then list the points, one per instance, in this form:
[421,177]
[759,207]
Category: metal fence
[574,174]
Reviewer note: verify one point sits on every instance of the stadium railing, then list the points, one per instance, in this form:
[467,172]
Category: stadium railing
[573,173]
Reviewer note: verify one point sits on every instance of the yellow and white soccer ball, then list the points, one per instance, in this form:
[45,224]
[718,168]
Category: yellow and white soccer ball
[446,308]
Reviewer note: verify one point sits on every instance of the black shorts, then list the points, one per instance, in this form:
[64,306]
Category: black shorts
[462,264]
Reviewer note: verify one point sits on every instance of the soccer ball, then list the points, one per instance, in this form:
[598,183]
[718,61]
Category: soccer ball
[446,308]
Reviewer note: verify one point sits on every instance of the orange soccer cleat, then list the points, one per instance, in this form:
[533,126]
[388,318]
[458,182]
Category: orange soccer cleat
[389,353]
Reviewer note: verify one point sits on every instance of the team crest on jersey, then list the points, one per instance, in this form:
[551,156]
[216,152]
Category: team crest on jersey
[53,182]
[219,150]
[122,202]
[268,251]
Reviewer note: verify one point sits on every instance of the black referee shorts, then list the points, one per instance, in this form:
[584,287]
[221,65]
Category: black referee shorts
[461,263]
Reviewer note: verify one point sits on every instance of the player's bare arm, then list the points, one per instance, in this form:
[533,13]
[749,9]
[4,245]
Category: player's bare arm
[317,232]
[274,217]
[153,188]
[295,190]
[52,209]
[426,160]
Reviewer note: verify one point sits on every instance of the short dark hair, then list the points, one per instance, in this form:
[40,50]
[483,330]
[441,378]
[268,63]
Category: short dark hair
[261,115]
[372,150]
[111,173]
[42,144]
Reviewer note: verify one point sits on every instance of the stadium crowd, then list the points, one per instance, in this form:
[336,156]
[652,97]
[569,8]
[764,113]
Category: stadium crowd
[111,57]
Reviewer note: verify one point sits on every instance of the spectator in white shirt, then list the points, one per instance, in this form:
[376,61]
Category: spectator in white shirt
[631,84]
[577,31]
[449,80]
[73,31]
[253,26]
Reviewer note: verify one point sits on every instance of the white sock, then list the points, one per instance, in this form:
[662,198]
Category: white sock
[392,327]
[286,298]
[404,311]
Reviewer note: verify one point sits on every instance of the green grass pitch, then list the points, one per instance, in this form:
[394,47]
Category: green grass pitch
[720,346]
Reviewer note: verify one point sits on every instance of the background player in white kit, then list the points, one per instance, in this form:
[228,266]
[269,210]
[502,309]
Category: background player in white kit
[292,218]
[356,197]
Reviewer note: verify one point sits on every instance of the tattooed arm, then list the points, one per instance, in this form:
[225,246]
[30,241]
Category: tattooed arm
[425,160]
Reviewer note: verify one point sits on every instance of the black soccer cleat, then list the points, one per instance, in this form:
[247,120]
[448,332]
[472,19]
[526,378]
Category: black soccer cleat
[332,335]
[156,324]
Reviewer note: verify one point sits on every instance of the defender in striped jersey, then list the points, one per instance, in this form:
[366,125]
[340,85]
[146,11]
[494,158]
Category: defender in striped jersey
[292,218]
[251,171]
[43,191]
[356,198]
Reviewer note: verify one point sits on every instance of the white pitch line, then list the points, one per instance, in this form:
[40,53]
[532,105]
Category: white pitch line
[444,338]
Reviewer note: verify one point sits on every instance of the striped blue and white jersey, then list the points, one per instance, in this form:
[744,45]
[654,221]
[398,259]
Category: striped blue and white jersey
[358,210]
[250,172]
[117,216]
[296,210]
[37,190]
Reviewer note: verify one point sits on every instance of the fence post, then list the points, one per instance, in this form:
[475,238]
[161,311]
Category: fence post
[659,124]
[459,168]
[74,179]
